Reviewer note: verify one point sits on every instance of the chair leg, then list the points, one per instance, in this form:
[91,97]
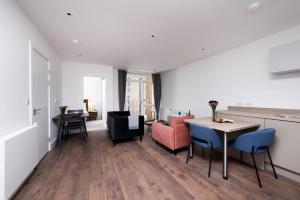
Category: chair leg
[175,152]
[203,152]
[141,138]
[241,156]
[83,132]
[252,155]
[81,136]
[191,157]
[275,175]
[188,155]
[210,159]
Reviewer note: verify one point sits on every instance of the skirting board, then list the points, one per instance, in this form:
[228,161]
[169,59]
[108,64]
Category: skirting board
[52,144]
[284,172]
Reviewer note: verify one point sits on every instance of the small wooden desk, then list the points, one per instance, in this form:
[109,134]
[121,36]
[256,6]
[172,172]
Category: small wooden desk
[225,128]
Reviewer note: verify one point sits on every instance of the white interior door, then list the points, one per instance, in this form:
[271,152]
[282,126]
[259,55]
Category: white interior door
[40,73]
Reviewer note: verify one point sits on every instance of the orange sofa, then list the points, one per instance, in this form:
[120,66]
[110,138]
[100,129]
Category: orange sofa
[174,136]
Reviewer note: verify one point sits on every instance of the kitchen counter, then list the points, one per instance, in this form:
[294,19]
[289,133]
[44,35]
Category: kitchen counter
[258,113]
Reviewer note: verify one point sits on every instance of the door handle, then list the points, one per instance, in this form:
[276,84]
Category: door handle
[35,110]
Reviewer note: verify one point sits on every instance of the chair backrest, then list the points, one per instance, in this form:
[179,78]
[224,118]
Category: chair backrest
[206,134]
[258,140]
[179,119]
[80,111]
[120,113]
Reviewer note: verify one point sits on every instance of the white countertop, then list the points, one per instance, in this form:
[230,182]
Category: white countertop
[259,115]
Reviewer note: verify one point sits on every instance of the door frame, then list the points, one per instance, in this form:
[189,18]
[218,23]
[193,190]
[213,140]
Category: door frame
[33,47]
[102,78]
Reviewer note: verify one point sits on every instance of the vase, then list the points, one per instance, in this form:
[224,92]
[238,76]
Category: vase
[213,115]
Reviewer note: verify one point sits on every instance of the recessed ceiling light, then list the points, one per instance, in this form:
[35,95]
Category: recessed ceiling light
[153,36]
[76,41]
[79,55]
[69,14]
[254,7]
[203,49]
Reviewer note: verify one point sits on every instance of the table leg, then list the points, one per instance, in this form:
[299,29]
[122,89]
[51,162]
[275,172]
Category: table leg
[58,143]
[84,126]
[225,167]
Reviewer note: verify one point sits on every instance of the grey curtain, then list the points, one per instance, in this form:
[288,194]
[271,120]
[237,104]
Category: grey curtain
[157,92]
[122,76]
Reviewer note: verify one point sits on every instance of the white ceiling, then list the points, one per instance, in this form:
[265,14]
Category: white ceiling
[118,32]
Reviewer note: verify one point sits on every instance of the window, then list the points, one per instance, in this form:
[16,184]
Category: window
[139,95]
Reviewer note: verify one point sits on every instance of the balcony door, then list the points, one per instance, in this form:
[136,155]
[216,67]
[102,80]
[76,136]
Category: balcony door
[139,95]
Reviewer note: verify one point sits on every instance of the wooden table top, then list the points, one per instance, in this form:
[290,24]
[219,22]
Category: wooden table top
[66,116]
[225,127]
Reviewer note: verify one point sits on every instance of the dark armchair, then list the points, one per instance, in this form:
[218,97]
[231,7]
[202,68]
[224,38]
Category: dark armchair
[117,125]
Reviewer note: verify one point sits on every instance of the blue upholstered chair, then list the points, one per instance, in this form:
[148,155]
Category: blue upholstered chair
[205,138]
[256,142]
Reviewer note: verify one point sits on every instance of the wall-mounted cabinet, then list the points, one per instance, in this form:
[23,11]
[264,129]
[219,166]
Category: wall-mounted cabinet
[285,58]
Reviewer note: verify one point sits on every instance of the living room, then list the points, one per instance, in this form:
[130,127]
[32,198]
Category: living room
[192,99]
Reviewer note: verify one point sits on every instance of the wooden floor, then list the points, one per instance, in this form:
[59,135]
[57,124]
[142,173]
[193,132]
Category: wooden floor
[134,170]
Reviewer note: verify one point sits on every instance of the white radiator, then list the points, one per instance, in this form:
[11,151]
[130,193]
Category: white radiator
[18,158]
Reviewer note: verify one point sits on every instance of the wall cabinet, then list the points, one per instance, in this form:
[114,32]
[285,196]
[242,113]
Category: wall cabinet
[285,151]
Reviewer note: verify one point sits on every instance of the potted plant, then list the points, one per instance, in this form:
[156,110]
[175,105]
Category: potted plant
[62,109]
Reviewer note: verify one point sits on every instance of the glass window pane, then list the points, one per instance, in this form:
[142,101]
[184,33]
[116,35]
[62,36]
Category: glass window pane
[139,97]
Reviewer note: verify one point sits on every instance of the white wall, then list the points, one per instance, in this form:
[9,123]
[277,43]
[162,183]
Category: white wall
[16,31]
[93,92]
[72,82]
[235,77]
[116,91]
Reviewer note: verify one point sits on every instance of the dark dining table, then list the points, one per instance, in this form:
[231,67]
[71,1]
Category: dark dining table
[62,119]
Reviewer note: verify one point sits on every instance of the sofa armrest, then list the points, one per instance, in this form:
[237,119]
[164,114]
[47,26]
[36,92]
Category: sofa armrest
[163,134]
[182,135]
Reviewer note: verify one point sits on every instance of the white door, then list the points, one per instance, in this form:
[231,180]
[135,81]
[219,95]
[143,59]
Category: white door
[39,71]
